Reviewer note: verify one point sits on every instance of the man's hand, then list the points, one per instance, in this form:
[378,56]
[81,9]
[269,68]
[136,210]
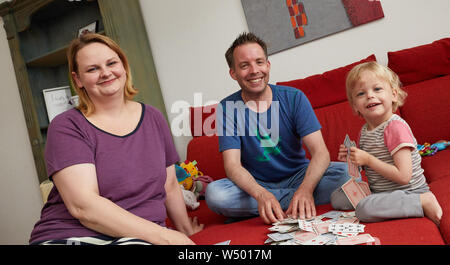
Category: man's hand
[269,208]
[302,204]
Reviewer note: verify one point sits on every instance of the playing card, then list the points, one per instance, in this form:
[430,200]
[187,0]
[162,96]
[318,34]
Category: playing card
[355,240]
[353,169]
[305,225]
[347,142]
[227,242]
[288,220]
[303,236]
[280,236]
[353,192]
[268,240]
[347,220]
[346,227]
[365,187]
[319,240]
[283,228]
[332,214]
[321,228]
[290,242]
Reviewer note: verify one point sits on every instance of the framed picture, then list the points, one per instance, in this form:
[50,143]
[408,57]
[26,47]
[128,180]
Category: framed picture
[91,28]
[295,22]
[57,100]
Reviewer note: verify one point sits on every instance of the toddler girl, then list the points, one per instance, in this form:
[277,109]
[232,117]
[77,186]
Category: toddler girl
[387,151]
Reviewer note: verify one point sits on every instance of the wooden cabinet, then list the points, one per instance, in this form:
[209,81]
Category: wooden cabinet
[38,33]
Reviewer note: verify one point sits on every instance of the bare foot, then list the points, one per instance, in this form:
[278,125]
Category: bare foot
[431,207]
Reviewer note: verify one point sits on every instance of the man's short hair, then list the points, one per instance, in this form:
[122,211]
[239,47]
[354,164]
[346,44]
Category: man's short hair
[244,38]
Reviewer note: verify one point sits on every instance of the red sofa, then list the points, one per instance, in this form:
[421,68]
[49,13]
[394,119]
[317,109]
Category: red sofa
[425,72]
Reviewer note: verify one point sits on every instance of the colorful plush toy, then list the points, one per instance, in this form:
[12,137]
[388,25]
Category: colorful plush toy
[191,168]
[186,183]
[431,149]
[183,177]
[191,178]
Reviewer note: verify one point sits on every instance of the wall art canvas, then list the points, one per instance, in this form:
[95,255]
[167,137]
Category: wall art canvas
[283,24]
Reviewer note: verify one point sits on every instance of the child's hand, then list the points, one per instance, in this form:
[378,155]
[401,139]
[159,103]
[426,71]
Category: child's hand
[342,155]
[359,157]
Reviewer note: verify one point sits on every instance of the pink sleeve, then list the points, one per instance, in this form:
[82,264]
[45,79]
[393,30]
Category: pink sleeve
[398,135]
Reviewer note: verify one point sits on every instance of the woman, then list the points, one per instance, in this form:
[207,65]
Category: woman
[111,160]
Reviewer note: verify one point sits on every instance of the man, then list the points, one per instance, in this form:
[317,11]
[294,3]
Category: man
[264,126]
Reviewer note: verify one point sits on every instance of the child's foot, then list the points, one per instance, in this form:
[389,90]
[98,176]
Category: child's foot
[431,207]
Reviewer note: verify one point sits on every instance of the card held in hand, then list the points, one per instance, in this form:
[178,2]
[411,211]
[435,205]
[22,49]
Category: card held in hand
[353,170]
[353,192]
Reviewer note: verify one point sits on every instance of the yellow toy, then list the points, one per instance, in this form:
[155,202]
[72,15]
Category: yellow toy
[183,177]
[191,168]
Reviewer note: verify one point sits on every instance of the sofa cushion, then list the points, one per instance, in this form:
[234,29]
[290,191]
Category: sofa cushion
[422,62]
[327,88]
[205,150]
[436,166]
[426,109]
[440,189]
[338,120]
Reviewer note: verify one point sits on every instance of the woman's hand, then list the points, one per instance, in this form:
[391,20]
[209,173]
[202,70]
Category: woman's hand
[174,237]
[196,226]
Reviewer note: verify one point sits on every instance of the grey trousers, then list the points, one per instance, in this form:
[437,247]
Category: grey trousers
[382,206]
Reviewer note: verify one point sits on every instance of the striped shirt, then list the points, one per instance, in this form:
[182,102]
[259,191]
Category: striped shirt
[382,142]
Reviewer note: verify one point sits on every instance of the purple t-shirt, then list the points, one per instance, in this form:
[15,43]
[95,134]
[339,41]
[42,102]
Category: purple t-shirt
[131,169]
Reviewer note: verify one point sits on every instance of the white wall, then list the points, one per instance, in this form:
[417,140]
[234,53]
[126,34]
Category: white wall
[20,198]
[189,39]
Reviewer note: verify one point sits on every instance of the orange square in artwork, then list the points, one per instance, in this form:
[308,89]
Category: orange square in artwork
[301,31]
[296,9]
[294,24]
[304,19]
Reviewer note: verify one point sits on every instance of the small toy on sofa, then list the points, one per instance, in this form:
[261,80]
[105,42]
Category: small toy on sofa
[200,181]
[430,149]
[191,168]
[190,199]
[186,182]
[183,177]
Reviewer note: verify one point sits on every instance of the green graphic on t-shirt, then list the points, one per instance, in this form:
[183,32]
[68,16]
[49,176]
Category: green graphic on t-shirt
[273,150]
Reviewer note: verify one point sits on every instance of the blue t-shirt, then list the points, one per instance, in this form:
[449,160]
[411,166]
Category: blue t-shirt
[270,142]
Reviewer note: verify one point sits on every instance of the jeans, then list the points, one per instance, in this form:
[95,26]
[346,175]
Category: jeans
[226,198]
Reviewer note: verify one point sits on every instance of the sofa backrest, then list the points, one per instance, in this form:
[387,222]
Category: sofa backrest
[326,88]
[327,95]
[421,63]
[425,73]
[426,109]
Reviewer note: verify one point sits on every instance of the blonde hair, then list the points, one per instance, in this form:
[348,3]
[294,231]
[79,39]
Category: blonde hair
[383,72]
[85,104]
